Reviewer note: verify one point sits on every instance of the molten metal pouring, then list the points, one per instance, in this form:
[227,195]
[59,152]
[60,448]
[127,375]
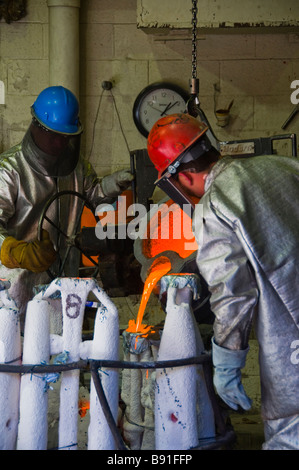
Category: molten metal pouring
[159,268]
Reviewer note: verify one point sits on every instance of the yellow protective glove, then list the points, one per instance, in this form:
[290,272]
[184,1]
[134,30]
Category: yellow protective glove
[36,256]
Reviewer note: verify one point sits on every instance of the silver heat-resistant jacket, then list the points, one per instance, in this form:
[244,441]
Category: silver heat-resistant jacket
[23,195]
[247,229]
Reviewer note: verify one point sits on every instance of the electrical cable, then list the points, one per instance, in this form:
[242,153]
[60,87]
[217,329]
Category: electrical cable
[120,124]
[97,115]
[94,124]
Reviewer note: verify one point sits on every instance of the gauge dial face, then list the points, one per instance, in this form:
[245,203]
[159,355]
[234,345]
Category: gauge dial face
[154,103]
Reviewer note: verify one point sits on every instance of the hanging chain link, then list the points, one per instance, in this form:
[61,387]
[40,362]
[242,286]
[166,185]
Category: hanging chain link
[194,43]
[193,102]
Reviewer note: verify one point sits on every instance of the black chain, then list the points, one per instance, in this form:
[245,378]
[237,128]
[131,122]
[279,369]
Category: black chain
[194,44]
[193,102]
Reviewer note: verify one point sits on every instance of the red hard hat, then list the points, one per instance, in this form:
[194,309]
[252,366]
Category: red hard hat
[171,136]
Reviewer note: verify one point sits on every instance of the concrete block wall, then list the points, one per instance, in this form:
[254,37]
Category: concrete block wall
[251,376]
[23,69]
[254,69]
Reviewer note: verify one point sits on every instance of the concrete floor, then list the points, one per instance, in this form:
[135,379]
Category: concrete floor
[249,431]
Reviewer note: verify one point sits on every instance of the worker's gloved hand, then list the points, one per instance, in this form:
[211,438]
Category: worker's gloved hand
[116,183]
[36,256]
[227,376]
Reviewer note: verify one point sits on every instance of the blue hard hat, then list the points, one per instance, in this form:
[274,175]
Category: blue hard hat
[57,109]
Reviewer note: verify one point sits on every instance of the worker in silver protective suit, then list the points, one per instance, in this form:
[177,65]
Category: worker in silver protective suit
[47,161]
[247,229]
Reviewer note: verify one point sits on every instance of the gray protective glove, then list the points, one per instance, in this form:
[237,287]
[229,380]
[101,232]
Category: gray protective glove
[116,183]
[227,376]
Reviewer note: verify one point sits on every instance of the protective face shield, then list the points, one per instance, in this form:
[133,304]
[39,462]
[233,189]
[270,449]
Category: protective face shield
[176,139]
[52,143]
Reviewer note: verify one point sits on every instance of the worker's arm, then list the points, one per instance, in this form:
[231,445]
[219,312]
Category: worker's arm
[225,267]
[36,256]
[111,186]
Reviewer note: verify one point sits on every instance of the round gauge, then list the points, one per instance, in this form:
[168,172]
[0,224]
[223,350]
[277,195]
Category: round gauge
[155,101]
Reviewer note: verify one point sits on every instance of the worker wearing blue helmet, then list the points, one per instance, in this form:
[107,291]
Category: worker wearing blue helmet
[46,162]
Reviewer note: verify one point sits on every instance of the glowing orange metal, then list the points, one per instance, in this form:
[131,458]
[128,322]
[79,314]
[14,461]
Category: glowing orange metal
[159,268]
[170,229]
[83,406]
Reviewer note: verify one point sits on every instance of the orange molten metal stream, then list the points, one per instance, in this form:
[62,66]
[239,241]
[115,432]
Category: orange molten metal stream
[159,268]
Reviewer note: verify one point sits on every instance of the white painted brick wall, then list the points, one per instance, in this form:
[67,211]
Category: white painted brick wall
[254,69]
